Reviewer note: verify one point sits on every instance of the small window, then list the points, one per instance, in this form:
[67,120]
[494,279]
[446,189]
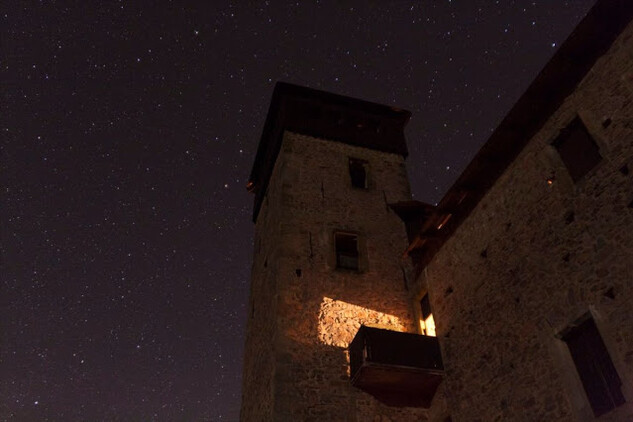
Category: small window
[346,251]
[427,323]
[358,173]
[577,149]
[595,368]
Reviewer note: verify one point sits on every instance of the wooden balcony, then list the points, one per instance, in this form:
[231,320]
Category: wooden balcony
[399,369]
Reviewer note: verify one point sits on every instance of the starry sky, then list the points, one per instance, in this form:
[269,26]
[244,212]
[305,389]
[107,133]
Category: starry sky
[128,133]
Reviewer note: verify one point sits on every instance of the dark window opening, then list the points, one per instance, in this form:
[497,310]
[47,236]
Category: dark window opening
[425,306]
[577,149]
[358,173]
[595,368]
[413,227]
[346,251]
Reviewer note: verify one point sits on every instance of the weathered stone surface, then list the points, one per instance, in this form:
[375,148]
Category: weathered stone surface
[537,252]
[297,364]
[543,268]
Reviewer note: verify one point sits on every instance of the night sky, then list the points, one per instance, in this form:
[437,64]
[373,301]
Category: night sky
[128,133]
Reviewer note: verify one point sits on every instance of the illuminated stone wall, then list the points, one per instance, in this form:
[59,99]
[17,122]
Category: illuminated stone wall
[533,257]
[306,311]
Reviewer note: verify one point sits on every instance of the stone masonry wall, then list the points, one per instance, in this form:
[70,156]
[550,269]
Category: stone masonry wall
[316,307]
[533,257]
[259,357]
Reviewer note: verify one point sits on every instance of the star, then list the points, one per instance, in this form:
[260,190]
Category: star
[129,120]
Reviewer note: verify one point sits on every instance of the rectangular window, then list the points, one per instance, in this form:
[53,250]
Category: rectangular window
[577,149]
[346,250]
[427,323]
[595,368]
[358,173]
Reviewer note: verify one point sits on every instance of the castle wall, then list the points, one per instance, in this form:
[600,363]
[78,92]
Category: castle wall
[533,257]
[311,310]
[259,357]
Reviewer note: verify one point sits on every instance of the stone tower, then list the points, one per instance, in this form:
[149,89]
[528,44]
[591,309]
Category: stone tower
[327,255]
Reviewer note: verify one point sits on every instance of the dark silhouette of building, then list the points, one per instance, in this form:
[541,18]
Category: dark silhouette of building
[513,298]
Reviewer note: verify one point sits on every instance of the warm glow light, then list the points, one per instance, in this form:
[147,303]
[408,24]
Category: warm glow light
[339,321]
[429,326]
[444,221]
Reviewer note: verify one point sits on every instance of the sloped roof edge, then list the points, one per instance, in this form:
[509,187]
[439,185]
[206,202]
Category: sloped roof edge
[590,40]
[284,113]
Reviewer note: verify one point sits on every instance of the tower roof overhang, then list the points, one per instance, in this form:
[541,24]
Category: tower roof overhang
[327,116]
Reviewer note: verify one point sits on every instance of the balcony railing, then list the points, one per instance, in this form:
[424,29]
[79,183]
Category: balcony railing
[399,369]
